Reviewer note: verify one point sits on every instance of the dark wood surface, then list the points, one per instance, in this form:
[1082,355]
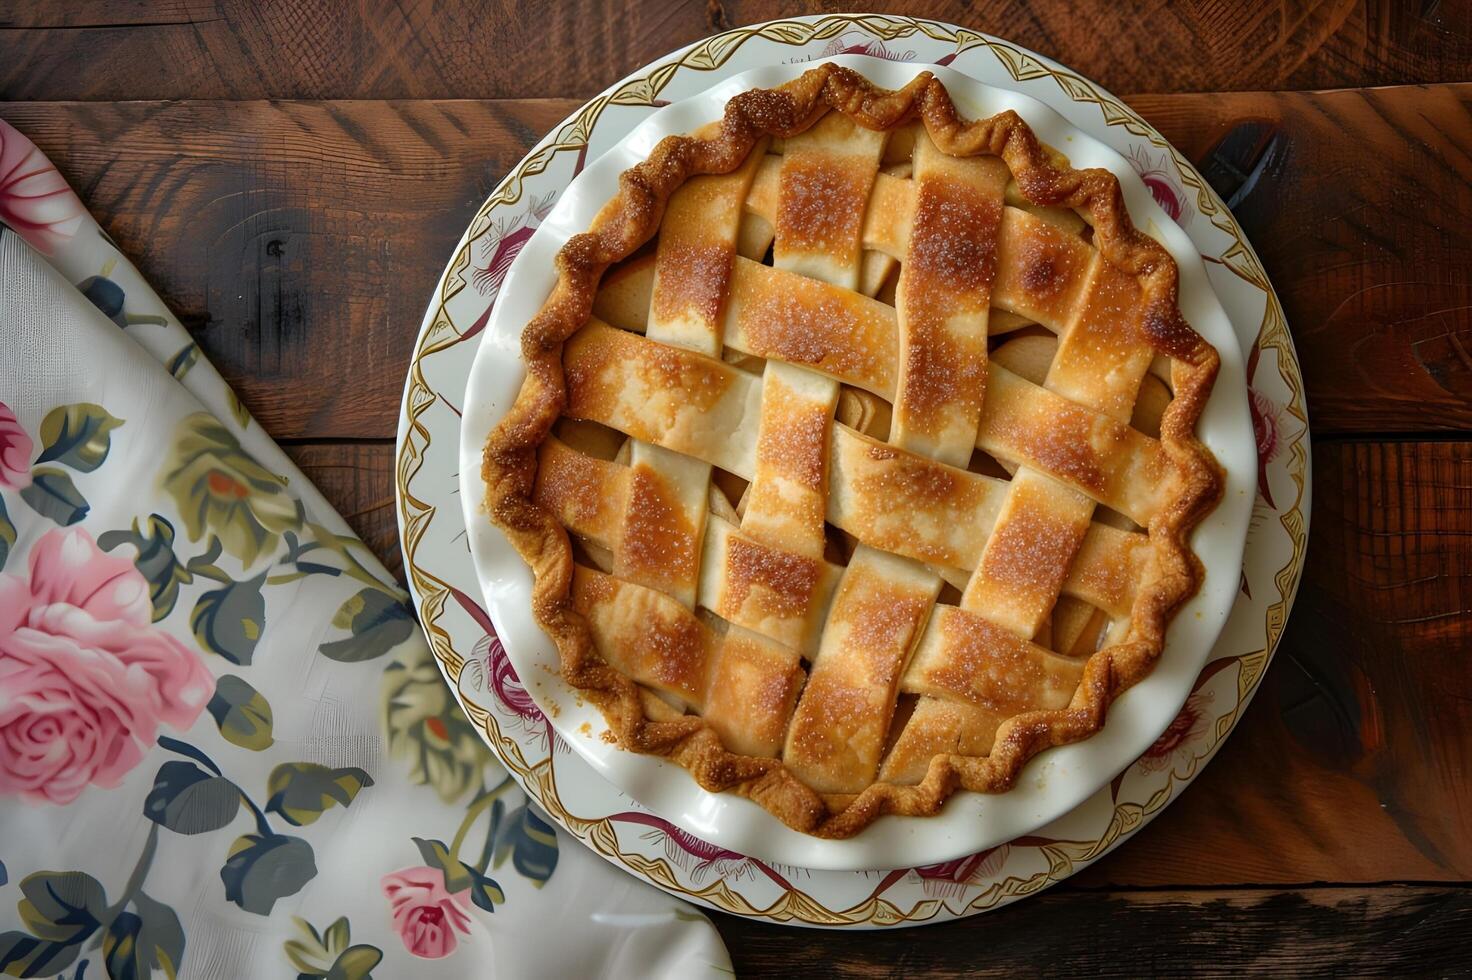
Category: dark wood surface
[496,49]
[292,177]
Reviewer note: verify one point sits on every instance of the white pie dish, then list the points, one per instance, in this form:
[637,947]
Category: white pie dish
[1050,785]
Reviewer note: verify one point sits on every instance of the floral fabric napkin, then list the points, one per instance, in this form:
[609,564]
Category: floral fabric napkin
[225,750]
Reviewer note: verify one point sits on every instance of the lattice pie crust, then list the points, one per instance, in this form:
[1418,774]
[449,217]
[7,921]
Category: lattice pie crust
[872,478]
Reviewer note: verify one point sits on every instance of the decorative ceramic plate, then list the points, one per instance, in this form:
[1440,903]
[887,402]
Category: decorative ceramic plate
[448,592]
[1053,783]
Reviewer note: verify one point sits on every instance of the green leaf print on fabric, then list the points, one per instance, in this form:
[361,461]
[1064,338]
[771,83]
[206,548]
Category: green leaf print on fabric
[62,906]
[377,622]
[188,800]
[436,855]
[242,714]
[23,955]
[120,949]
[60,910]
[52,494]
[64,911]
[530,842]
[427,729]
[77,435]
[302,791]
[220,488]
[155,561]
[185,359]
[262,869]
[484,891]
[459,876]
[237,408]
[109,298]
[159,942]
[229,620]
[330,953]
[355,962]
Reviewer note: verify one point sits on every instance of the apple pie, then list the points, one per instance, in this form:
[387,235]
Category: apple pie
[856,456]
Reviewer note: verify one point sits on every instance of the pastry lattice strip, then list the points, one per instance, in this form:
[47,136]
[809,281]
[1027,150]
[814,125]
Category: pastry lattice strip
[837,227]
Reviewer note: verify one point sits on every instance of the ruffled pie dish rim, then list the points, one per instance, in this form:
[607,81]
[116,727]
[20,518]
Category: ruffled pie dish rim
[509,463]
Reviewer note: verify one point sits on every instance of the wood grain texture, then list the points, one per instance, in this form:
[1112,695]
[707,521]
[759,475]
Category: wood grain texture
[1349,765]
[329,49]
[1358,203]
[1317,932]
[279,229]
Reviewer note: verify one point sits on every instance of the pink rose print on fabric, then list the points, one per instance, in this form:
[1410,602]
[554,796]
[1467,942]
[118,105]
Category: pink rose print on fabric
[15,451]
[426,915]
[34,199]
[85,679]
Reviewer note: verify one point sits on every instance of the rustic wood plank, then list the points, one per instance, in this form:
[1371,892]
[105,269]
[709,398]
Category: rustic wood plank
[279,230]
[1349,765]
[1358,203]
[1318,932]
[322,49]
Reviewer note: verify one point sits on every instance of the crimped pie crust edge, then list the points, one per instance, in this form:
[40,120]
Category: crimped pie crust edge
[631,218]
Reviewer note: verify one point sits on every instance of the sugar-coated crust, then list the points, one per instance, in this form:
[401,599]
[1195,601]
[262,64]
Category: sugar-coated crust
[632,218]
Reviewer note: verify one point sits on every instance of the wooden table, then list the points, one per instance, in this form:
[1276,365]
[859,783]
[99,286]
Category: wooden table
[293,177]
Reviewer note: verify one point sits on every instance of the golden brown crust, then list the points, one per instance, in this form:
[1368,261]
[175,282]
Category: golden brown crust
[632,218]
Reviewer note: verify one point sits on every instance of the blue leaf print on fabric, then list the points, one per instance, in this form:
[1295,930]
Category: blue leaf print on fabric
[262,869]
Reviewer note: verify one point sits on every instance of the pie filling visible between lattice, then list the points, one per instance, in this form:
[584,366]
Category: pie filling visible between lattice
[872,476]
